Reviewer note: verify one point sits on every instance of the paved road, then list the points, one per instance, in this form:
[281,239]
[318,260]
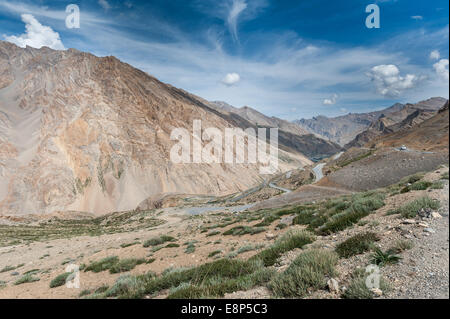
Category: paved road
[280,188]
[318,171]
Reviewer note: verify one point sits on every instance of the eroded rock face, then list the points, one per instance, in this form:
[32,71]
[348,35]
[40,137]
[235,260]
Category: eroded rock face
[83,133]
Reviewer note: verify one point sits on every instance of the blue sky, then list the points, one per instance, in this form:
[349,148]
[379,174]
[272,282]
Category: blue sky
[290,59]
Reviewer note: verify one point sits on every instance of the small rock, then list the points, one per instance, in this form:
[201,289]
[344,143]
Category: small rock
[429,230]
[333,285]
[270,236]
[423,224]
[409,221]
[14,273]
[435,215]
[377,292]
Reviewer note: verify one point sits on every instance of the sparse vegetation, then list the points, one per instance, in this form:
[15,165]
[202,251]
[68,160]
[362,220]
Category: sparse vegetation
[155,241]
[308,271]
[26,279]
[102,265]
[125,265]
[357,244]
[243,230]
[411,209]
[289,241]
[358,288]
[402,245]
[60,280]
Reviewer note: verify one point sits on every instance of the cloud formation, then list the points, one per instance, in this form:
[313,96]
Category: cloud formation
[388,81]
[441,69]
[105,5]
[231,79]
[237,7]
[417,18]
[36,35]
[435,55]
[332,100]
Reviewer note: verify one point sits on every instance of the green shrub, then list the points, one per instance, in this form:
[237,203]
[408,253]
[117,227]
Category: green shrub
[155,241]
[125,265]
[402,245]
[381,258]
[60,280]
[243,230]
[421,185]
[437,185]
[214,253]
[362,205]
[221,286]
[289,241]
[102,265]
[444,175]
[358,288]
[26,279]
[357,244]
[309,271]
[411,209]
[172,245]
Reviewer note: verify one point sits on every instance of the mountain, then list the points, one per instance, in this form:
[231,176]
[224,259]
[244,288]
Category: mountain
[289,133]
[408,116]
[343,129]
[259,119]
[431,134]
[83,133]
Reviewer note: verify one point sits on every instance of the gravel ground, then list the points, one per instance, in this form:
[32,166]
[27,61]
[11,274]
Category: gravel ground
[424,271]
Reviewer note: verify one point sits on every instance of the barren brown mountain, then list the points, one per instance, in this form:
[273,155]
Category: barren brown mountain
[83,133]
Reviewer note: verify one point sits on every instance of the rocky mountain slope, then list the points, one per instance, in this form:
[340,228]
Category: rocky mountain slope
[428,135]
[407,117]
[290,134]
[83,133]
[344,129]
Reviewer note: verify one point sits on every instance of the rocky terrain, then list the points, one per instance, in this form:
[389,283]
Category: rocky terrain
[409,116]
[356,129]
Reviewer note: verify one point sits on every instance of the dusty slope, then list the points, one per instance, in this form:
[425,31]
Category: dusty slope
[83,133]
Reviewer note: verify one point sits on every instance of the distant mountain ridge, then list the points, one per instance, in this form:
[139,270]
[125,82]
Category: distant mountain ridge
[409,116]
[344,129]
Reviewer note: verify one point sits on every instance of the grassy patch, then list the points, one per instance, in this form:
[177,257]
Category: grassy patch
[60,280]
[243,230]
[155,241]
[357,244]
[361,206]
[289,241]
[26,279]
[102,265]
[125,265]
[358,288]
[444,176]
[307,272]
[401,246]
[214,253]
[411,209]
[437,185]
[222,270]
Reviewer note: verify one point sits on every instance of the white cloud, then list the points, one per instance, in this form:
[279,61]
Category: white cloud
[343,110]
[388,81]
[441,69]
[36,35]
[417,18]
[331,101]
[435,55]
[105,5]
[237,7]
[231,79]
